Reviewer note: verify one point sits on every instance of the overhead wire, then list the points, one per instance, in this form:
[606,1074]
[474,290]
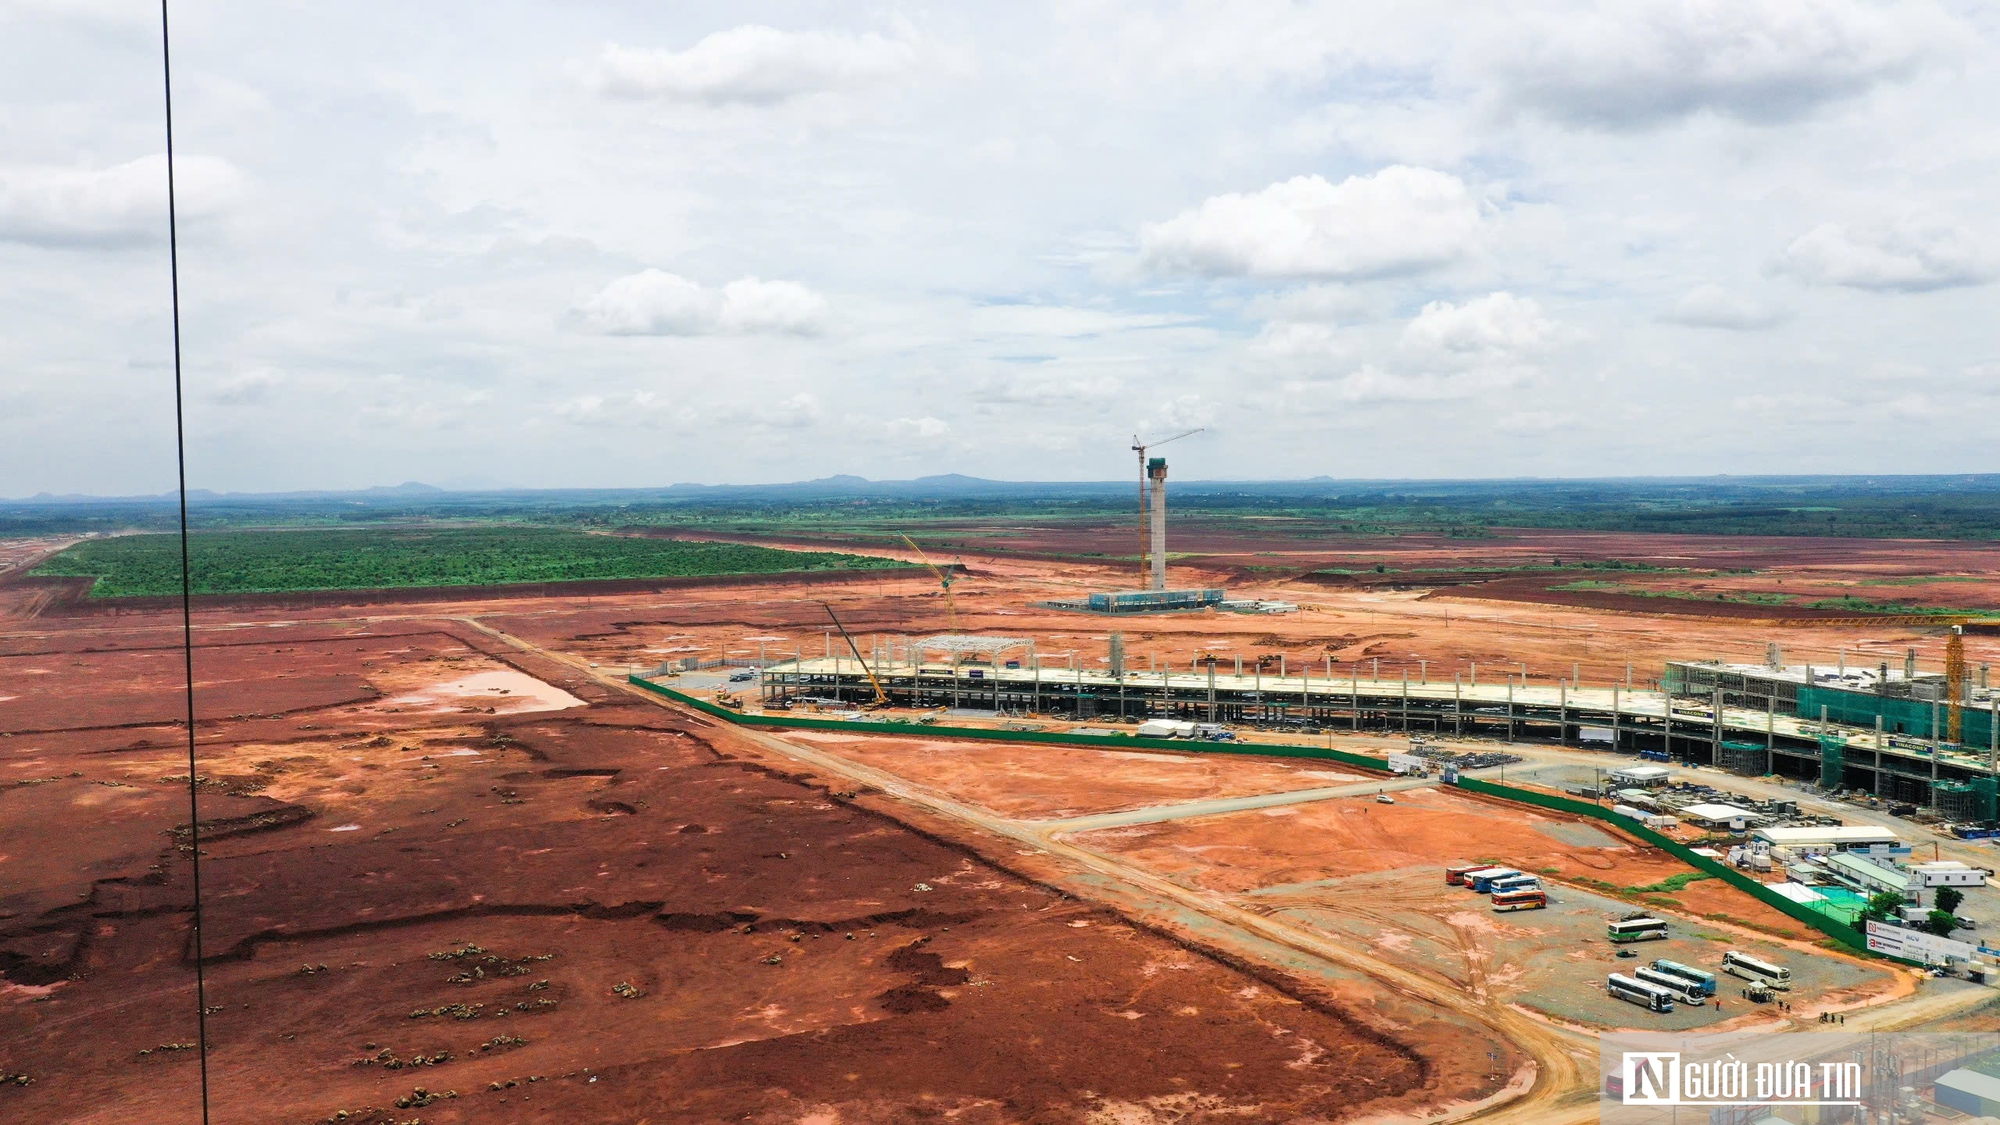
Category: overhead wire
[187,577]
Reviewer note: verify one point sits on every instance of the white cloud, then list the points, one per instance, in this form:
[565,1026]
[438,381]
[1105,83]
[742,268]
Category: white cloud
[656,303]
[926,431]
[1312,304]
[1712,306]
[1370,385]
[1397,220]
[1633,64]
[1912,256]
[1496,325]
[756,65]
[122,204]
[1062,321]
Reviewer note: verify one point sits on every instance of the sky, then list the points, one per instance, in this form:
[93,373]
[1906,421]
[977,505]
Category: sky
[602,245]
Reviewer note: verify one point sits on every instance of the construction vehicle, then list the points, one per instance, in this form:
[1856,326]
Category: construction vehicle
[881,697]
[945,578]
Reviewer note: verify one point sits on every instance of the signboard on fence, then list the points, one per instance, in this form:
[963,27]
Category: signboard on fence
[1407,763]
[1915,945]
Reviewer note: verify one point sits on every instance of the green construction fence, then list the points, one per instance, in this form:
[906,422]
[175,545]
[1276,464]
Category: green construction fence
[1845,934]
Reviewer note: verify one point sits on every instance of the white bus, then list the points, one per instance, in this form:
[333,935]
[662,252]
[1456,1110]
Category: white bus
[1684,991]
[1755,970]
[1532,898]
[1635,929]
[1649,996]
[1701,977]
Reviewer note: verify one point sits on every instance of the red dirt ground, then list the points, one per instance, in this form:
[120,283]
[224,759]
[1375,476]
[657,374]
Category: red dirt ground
[610,845]
[633,844]
[1424,828]
[1050,782]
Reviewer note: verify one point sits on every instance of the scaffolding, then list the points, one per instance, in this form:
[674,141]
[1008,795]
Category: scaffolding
[1751,759]
[1832,762]
[1968,802]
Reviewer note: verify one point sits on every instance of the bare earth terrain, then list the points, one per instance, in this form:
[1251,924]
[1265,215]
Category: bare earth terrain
[445,849]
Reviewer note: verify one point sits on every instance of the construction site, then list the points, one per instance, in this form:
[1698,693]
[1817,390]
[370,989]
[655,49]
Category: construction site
[1175,842]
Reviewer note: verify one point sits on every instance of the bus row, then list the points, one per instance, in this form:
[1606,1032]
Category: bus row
[1511,889]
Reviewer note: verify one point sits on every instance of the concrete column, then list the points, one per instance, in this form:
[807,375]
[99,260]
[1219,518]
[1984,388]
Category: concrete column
[1457,708]
[1211,691]
[1473,678]
[1562,714]
[1510,709]
[1993,729]
[1628,675]
[1715,753]
[1423,671]
[1355,687]
[1157,471]
[1614,718]
[1406,701]
[1770,730]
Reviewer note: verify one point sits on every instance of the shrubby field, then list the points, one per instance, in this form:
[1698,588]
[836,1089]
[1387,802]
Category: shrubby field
[227,562]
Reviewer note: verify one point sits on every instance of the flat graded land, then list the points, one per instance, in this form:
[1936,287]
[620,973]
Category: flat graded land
[1309,843]
[1033,782]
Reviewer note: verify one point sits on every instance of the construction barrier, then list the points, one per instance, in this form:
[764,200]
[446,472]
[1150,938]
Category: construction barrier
[1845,934]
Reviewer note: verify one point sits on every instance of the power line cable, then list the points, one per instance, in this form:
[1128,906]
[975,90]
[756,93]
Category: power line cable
[187,580]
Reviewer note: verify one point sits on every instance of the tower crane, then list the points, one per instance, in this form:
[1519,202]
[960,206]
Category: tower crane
[1145,512]
[945,579]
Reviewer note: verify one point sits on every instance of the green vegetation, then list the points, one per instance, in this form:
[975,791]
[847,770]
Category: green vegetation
[1882,907]
[226,562]
[1672,884]
[1947,899]
[1863,605]
[1742,597]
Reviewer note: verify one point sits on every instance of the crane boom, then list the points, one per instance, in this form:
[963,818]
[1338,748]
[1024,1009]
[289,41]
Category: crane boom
[945,579]
[881,697]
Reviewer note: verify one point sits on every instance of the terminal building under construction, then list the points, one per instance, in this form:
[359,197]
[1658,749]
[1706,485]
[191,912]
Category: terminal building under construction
[1726,715]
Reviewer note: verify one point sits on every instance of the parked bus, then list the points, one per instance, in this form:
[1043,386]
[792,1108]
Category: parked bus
[1482,881]
[1471,878]
[1755,970]
[1455,875]
[1689,973]
[1649,996]
[1517,883]
[1685,991]
[1531,899]
[1635,929]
